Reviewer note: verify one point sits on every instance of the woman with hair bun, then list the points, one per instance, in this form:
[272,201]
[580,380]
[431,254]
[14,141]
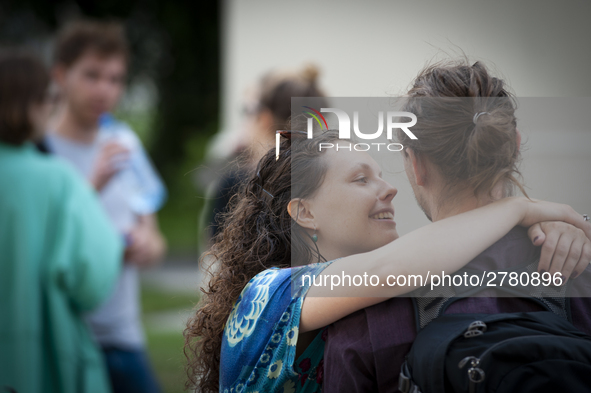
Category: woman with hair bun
[268,109]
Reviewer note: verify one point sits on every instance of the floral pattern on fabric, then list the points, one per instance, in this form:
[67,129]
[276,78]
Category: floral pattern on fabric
[255,297]
[260,337]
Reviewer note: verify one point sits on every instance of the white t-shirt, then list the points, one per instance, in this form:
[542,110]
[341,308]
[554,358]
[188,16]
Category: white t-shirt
[117,322]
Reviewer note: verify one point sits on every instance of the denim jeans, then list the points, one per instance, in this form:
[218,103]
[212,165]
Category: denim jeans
[130,371]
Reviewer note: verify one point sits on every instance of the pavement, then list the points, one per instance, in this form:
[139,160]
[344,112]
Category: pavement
[175,276]
[172,276]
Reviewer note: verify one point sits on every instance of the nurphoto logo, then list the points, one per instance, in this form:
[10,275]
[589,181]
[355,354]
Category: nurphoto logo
[344,125]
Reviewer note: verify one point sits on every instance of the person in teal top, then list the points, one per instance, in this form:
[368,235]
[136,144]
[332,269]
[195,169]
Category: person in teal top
[59,256]
[305,216]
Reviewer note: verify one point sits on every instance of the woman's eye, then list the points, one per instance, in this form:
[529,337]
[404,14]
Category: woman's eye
[361,179]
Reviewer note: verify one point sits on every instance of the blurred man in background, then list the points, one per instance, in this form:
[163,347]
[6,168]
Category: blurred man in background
[90,68]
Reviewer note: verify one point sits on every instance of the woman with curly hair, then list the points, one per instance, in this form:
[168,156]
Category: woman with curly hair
[311,213]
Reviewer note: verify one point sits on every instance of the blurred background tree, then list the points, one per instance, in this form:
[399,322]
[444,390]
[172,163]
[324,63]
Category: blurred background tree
[172,100]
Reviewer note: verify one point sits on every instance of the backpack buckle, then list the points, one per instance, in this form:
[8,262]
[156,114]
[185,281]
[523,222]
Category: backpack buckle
[476,328]
[476,375]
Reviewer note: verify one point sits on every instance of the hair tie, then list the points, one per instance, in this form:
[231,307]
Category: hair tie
[260,185]
[268,193]
[477,115]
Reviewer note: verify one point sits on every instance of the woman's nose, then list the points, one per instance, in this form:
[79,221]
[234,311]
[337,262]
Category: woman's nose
[389,192]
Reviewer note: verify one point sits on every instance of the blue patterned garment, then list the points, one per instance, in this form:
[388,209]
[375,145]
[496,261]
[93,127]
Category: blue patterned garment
[259,342]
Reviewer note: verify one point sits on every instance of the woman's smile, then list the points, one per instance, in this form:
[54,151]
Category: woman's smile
[384,216]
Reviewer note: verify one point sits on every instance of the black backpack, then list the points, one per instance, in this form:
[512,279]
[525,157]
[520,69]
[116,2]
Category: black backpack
[511,352]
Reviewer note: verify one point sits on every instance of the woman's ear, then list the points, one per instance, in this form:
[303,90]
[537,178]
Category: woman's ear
[299,210]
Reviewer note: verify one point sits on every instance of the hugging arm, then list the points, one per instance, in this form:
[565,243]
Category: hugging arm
[446,245]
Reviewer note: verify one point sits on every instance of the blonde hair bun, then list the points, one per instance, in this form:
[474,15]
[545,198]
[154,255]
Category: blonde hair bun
[310,73]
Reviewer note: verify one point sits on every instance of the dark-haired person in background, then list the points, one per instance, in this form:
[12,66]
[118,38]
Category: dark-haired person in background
[90,68]
[465,157]
[268,110]
[59,255]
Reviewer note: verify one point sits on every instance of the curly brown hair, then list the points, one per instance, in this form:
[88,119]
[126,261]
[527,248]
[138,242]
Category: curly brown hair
[258,234]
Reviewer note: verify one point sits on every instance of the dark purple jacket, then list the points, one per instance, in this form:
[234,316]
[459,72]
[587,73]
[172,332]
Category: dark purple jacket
[365,350]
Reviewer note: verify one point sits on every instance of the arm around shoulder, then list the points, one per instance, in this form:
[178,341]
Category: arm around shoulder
[452,243]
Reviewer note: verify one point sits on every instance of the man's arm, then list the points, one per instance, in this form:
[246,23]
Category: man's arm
[146,245]
[348,356]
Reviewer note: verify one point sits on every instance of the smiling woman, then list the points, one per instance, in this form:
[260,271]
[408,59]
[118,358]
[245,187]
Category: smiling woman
[258,328]
[353,183]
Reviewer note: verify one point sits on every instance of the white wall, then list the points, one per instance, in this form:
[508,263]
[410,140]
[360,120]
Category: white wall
[376,47]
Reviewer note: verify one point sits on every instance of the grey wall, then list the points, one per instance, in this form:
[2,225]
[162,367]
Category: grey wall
[375,48]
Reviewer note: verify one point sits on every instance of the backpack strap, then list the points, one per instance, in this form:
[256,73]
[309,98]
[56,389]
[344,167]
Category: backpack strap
[431,303]
[405,382]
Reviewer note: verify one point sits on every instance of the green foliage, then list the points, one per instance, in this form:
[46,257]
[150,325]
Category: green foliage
[142,122]
[179,219]
[165,347]
[166,355]
[157,300]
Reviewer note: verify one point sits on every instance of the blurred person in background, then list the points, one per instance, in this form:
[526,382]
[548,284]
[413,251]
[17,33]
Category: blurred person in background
[90,65]
[267,108]
[59,254]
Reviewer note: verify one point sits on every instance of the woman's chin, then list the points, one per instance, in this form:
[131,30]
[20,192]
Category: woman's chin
[394,235]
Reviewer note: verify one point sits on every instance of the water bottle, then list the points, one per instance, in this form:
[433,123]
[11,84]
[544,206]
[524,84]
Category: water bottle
[146,192]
